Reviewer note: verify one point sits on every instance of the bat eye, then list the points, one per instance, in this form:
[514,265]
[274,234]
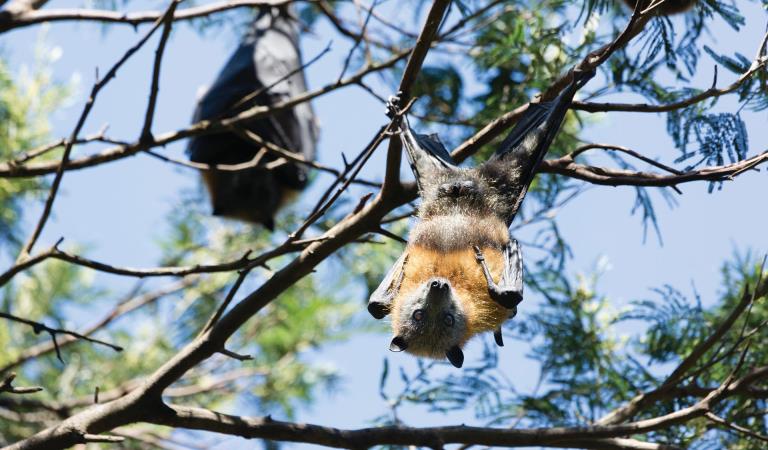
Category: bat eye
[418,315]
[448,319]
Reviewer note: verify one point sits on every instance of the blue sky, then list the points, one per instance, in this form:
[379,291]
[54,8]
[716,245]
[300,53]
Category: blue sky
[119,209]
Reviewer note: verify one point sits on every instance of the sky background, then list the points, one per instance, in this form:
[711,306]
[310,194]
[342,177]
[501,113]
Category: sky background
[119,210]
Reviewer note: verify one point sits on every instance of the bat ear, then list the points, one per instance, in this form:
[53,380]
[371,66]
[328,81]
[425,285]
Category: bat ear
[455,356]
[398,344]
[498,337]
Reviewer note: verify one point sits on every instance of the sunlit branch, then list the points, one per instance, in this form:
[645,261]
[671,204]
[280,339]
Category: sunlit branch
[117,312]
[29,17]
[620,177]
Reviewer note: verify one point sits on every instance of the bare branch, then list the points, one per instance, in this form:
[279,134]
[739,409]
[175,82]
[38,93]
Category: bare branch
[619,177]
[178,271]
[121,309]
[53,332]
[7,386]
[758,64]
[738,428]
[627,151]
[27,18]
[412,70]
[197,129]
[434,437]
[669,385]
[27,249]
[146,130]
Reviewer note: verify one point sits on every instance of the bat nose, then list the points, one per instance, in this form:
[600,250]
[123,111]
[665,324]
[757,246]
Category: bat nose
[438,284]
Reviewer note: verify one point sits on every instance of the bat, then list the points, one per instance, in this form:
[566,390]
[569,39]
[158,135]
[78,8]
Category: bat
[461,272]
[267,63]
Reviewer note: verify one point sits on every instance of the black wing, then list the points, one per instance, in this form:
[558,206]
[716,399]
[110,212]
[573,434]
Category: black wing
[427,156]
[381,299]
[267,62]
[518,157]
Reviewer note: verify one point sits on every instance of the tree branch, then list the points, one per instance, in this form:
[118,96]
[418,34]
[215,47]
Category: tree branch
[7,386]
[118,311]
[27,249]
[200,128]
[53,332]
[620,177]
[758,63]
[412,69]
[27,17]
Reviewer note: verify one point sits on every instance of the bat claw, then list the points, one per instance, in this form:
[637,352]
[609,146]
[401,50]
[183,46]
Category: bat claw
[479,254]
[393,104]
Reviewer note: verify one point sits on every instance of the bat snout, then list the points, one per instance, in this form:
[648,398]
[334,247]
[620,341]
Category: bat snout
[439,286]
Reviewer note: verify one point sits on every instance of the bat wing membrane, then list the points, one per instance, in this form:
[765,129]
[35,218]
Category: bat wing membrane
[520,153]
[426,154]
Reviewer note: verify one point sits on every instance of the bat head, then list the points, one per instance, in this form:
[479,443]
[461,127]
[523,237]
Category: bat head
[431,322]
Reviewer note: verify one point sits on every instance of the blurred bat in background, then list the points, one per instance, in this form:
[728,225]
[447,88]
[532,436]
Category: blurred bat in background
[264,70]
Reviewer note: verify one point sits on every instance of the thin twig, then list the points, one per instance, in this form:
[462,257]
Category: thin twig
[358,40]
[7,386]
[127,306]
[39,328]
[27,249]
[127,18]
[146,130]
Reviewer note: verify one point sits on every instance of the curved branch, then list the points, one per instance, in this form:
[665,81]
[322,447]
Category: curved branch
[758,63]
[432,437]
[118,311]
[411,71]
[619,177]
[27,18]
[8,170]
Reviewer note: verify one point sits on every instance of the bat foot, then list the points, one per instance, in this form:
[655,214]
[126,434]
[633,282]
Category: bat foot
[507,297]
[393,105]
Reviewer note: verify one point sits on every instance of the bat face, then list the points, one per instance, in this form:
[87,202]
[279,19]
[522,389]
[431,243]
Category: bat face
[430,320]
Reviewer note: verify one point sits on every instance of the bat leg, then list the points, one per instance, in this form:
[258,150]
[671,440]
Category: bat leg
[393,104]
[509,292]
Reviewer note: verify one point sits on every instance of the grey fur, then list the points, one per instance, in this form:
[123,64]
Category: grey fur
[465,208]
[433,335]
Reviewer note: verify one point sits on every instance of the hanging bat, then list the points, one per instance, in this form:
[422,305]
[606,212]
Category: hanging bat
[267,62]
[461,273]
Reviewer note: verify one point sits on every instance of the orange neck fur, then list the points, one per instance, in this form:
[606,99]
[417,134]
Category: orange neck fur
[466,278]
